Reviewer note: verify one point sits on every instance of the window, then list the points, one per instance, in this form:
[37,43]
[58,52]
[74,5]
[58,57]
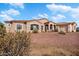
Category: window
[34,26]
[19,26]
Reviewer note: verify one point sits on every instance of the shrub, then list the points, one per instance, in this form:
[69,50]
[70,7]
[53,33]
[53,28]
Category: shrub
[15,44]
[62,32]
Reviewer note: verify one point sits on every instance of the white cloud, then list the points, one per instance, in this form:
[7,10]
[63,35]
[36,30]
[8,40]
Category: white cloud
[75,10]
[75,13]
[44,15]
[6,17]
[76,16]
[67,10]
[11,12]
[20,5]
[7,14]
[57,18]
[62,8]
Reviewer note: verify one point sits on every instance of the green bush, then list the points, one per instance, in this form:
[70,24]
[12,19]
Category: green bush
[15,44]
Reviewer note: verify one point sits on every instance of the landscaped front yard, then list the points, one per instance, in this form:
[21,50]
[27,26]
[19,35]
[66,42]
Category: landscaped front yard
[52,43]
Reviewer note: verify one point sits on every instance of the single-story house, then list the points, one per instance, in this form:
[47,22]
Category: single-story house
[41,25]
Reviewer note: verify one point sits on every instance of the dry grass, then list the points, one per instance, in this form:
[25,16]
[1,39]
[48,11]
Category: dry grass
[54,44]
[47,50]
[42,44]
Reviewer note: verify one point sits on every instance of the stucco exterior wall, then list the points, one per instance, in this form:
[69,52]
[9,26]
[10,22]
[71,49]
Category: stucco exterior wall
[10,27]
[26,26]
[51,23]
[33,22]
[13,27]
[62,28]
[43,20]
[67,28]
[74,28]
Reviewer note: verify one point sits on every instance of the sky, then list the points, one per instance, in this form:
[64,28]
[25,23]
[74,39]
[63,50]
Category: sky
[56,12]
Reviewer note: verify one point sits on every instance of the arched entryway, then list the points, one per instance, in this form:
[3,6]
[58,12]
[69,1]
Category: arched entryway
[34,27]
[51,27]
[46,28]
[55,29]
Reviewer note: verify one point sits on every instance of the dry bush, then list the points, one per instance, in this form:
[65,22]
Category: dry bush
[15,44]
[62,32]
[35,31]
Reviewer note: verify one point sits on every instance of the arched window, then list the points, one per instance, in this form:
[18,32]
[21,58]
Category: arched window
[34,27]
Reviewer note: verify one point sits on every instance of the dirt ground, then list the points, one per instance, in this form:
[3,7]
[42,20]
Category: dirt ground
[54,44]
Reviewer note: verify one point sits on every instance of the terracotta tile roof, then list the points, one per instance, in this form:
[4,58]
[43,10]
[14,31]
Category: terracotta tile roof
[17,21]
[49,22]
[65,23]
[41,19]
[25,21]
[20,21]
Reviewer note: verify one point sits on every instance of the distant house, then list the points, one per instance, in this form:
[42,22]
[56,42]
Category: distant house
[41,25]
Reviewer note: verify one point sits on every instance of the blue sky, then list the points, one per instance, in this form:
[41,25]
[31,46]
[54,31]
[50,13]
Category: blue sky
[56,12]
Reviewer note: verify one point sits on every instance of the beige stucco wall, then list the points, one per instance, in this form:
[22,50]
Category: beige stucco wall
[34,22]
[67,28]
[62,28]
[26,27]
[72,28]
[52,26]
[10,28]
[13,27]
[43,20]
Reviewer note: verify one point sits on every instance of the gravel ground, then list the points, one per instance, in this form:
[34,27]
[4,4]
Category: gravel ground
[55,39]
